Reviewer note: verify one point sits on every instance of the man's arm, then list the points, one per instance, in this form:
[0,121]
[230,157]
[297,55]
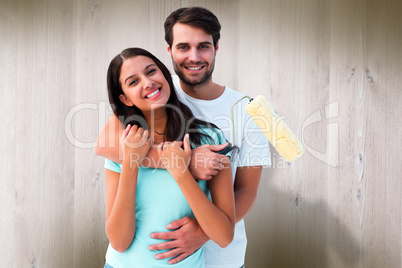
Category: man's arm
[245,189]
[189,236]
[204,164]
[107,143]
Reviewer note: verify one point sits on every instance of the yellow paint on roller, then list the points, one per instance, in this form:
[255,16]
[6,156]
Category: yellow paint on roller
[274,128]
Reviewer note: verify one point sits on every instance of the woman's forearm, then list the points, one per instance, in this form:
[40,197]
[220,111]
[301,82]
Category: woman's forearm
[216,223]
[120,224]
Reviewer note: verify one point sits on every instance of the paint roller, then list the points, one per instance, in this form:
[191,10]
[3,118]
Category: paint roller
[273,127]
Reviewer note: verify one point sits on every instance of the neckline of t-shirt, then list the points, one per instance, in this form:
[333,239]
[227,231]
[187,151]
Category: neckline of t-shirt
[206,102]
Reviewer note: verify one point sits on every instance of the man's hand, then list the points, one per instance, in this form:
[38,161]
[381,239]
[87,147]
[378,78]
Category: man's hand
[184,241]
[205,163]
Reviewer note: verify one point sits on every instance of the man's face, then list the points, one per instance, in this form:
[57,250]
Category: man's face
[193,54]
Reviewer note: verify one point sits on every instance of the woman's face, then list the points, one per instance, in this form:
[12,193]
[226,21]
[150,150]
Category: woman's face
[143,84]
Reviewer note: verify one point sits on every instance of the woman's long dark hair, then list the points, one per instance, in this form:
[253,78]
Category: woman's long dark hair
[180,118]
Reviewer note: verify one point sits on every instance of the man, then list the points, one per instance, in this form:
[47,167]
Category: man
[193,36]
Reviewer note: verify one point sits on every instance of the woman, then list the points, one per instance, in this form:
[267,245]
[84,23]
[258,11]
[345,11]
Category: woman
[141,200]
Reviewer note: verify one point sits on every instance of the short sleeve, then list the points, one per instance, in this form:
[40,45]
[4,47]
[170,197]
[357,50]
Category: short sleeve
[215,134]
[113,166]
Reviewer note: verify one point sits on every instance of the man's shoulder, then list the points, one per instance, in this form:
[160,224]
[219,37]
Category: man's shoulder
[231,92]
[233,96]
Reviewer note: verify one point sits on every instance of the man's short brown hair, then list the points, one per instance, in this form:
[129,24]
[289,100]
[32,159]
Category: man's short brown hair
[194,16]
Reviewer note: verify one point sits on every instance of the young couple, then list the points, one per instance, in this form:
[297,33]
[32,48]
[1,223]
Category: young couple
[186,209]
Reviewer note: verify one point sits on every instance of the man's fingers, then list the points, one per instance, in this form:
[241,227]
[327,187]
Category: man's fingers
[179,258]
[222,158]
[206,177]
[218,147]
[171,226]
[219,161]
[216,164]
[208,174]
[177,223]
[168,254]
[164,235]
[213,172]
[163,246]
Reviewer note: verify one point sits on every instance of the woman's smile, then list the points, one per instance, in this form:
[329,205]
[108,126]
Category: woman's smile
[154,94]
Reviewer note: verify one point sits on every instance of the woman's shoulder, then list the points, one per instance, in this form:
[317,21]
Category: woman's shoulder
[113,166]
[215,134]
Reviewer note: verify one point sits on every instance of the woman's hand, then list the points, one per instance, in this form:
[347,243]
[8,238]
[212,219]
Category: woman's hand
[175,158]
[135,143]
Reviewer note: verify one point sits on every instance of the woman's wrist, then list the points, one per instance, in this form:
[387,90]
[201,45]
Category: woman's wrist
[180,175]
[130,165]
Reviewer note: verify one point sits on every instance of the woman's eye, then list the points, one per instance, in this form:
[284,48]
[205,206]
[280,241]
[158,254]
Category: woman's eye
[152,71]
[133,82]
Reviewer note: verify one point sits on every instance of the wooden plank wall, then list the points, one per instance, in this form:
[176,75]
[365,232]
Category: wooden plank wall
[331,68]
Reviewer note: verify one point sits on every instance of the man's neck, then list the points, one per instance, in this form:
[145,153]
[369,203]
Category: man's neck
[206,91]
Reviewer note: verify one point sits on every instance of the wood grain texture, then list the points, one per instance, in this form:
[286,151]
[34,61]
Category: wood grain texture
[8,75]
[38,83]
[331,68]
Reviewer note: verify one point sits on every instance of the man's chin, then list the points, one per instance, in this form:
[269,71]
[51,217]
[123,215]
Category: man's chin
[194,81]
[191,81]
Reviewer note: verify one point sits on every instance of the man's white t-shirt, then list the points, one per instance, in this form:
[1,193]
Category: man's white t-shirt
[254,151]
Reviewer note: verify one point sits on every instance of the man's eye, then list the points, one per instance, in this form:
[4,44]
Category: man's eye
[204,47]
[182,47]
